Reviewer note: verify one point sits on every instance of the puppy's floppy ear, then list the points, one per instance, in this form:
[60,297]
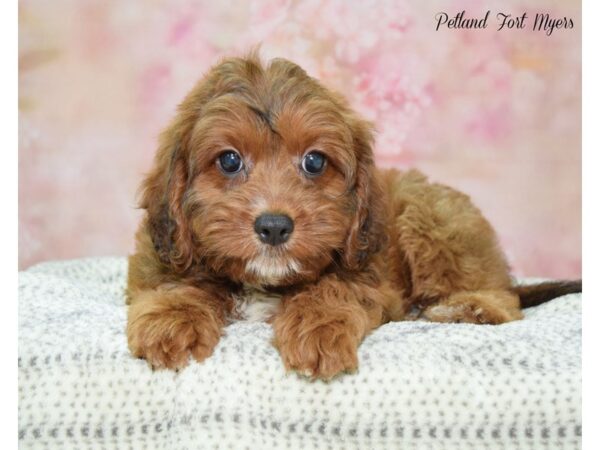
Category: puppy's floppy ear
[162,195]
[366,234]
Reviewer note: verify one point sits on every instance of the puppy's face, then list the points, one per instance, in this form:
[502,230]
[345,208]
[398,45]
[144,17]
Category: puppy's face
[266,177]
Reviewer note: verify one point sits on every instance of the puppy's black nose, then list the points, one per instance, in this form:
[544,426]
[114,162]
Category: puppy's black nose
[273,229]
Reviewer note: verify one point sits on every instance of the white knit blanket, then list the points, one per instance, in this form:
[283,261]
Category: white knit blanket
[420,385]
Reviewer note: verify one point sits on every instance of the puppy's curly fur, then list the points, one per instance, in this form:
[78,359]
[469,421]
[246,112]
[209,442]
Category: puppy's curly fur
[367,246]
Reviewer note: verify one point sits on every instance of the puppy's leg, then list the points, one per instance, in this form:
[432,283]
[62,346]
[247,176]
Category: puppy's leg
[491,307]
[317,331]
[167,324]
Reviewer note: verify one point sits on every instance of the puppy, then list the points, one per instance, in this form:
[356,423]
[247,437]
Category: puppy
[264,204]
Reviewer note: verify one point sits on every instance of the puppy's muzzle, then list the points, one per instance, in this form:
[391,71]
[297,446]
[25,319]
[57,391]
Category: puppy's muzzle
[273,229]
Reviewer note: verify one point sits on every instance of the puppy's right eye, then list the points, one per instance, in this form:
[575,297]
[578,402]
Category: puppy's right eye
[230,162]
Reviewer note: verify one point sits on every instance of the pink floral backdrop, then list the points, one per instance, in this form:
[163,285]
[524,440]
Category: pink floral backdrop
[493,113]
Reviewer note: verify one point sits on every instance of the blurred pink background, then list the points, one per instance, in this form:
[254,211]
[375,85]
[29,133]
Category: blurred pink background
[496,114]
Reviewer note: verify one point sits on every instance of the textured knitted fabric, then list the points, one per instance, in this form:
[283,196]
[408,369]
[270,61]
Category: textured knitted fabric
[420,385]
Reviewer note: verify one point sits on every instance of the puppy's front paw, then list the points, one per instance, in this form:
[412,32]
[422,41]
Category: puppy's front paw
[167,335]
[322,350]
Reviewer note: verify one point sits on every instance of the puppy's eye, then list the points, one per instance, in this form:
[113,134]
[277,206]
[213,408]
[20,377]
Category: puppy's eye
[230,162]
[313,163]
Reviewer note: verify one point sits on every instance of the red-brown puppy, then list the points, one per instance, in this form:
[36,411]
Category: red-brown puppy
[264,204]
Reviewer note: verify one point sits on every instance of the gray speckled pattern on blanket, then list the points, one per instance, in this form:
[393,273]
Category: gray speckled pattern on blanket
[420,385]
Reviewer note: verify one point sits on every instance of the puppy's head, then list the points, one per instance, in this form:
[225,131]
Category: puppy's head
[263,177]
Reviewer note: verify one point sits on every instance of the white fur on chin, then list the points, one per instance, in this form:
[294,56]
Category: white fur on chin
[271,270]
[256,304]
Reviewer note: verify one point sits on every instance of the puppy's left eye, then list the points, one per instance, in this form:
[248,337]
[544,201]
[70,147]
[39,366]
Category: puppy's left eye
[313,163]
[230,162]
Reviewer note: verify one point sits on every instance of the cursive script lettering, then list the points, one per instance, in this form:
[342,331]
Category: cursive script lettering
[459,21]
[505,21]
